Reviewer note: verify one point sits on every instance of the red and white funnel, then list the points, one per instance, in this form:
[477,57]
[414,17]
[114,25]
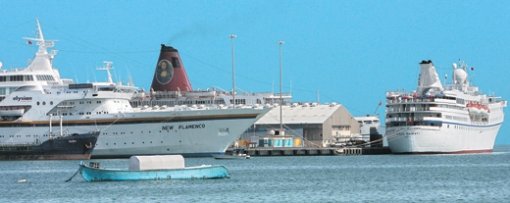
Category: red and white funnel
[170,74]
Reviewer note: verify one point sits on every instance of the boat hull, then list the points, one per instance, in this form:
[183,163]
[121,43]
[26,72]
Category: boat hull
[90,174]
[153,139]
[225,156]
[72,147]
[442,140]
[190,133]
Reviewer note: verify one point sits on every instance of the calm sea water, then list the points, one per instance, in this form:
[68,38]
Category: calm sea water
[382,178]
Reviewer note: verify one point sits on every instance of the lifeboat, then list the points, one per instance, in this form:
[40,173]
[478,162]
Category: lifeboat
[392,95]
[12,112]
[477,108]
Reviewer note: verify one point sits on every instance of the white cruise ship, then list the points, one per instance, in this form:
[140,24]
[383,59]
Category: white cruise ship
[457,118]
[31,109]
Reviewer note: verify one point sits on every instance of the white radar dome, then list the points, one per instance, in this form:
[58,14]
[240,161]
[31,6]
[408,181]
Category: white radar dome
[1,64]
[460,76]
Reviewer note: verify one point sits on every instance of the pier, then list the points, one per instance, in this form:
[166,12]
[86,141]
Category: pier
[309,151]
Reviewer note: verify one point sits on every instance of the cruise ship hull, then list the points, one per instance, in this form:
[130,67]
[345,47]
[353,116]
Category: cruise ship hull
[190,133]
[442,140]
[211,137]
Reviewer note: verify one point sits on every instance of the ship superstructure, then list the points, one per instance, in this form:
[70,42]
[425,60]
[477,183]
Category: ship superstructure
[171,87]
[457,118]
[40,70]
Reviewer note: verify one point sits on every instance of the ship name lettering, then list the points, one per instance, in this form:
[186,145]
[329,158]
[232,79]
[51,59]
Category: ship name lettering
[16,98]
[167,127]
[191,126]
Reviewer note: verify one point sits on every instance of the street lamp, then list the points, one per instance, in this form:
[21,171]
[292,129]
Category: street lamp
[232,37]
[280,45]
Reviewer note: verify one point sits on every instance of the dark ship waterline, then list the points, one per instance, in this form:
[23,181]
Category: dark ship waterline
[70,147]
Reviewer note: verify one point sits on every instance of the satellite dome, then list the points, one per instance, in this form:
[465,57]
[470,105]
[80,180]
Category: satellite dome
[271,132]
[460,76]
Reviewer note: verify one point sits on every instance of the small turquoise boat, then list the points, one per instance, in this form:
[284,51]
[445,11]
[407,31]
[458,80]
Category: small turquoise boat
[150,170]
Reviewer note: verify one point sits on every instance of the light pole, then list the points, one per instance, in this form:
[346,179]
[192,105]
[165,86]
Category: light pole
[280,45]
[232,37]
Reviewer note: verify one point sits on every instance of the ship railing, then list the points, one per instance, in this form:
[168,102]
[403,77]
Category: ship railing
[15,147]
[409,110]
[410,100]
[198,107]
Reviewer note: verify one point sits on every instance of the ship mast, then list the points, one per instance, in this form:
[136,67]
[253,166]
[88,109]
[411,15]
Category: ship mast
[107,67]
[43,59]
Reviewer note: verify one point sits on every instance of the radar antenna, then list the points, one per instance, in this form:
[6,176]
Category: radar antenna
[107,67]
[41,42]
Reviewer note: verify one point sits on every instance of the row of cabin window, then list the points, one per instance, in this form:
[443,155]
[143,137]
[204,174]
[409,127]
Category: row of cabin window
[7,90]
[217,101]
[238,101]
[458,127]
[125,143]
[122,133]
[16,78]
[43,103]
[81,102]
[85,113]
[88,113]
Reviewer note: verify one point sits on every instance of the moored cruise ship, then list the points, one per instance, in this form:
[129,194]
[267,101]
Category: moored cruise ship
[457,118]
[33,105]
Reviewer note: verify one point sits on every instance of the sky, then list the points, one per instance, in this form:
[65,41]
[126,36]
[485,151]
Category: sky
[349,52]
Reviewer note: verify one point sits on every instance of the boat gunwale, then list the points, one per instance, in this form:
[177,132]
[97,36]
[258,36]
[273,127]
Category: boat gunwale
[82,164]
